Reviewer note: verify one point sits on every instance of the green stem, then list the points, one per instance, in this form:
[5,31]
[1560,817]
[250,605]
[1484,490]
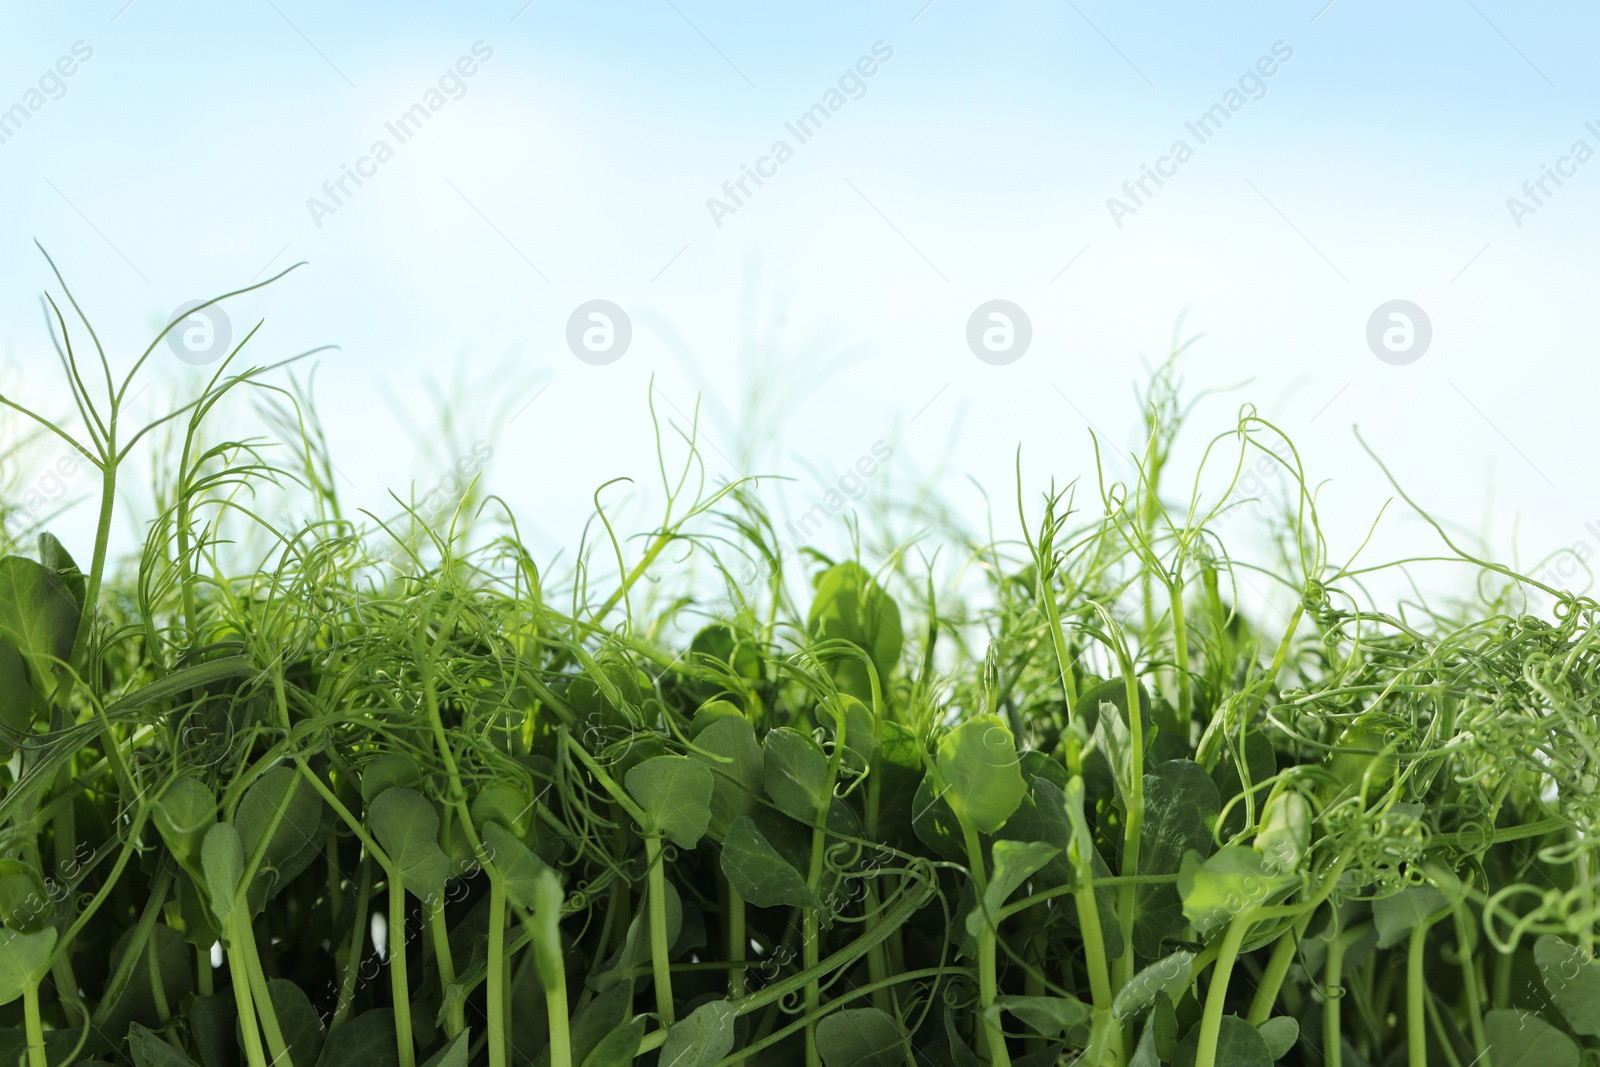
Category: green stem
[239,972]
[1180,653]
[351,969]
[545,926]
[659,961]
[262,998]
[1272,978]
[397,972]
[738,941]
[455,1019]
[495,974]
[988,980]
[1127,904]
[1470,980]
[33,1025]
[1416,992]
[1217,994]
[1333,994]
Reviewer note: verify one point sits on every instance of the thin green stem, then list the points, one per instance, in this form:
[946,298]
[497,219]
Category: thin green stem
[33,1025]
[988,984]
[659,960]
[1217,993]
[244,1002]
[495,974]
[398,982]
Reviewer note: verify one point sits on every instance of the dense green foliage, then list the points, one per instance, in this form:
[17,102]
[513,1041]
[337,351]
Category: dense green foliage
[1010,803]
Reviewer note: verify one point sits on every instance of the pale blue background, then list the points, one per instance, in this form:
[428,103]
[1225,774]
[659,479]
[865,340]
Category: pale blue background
[1377,166]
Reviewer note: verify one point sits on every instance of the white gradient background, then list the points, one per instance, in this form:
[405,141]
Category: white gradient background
[178,165]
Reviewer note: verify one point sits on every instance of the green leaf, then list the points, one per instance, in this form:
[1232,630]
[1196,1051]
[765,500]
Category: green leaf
[850,606]
[454,1054]
[148,1050]
[1397,915]
[1280,1034]
[860,738]
[1014,862]
[385,771]
[758,872]
[860,1037]
[184,812]
[407,826]
[1088,863]
[298,1020]
[518,866]
[24,960]
[365,1040]
[212,1022]
[24,904]
[54,556]
[1522,1039]
[1169,975]
[37,616]
[16,693]
[1112,739]
[796,775]
[1181,807]
[1048,1016]
[675,792]
[961,1054]
[1042,816]
[635,950]
[288,808]
[935,824]
[222,861]
[1573,980]
[503,803]
[978,763]
[1238,1045]
[701,1038]
[548,899]
[737,775]
[618,1047]
[599,1017]
[1234,880]
[1285,832]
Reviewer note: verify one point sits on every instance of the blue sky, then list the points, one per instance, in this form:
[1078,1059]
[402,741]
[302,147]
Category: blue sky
[977,164]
